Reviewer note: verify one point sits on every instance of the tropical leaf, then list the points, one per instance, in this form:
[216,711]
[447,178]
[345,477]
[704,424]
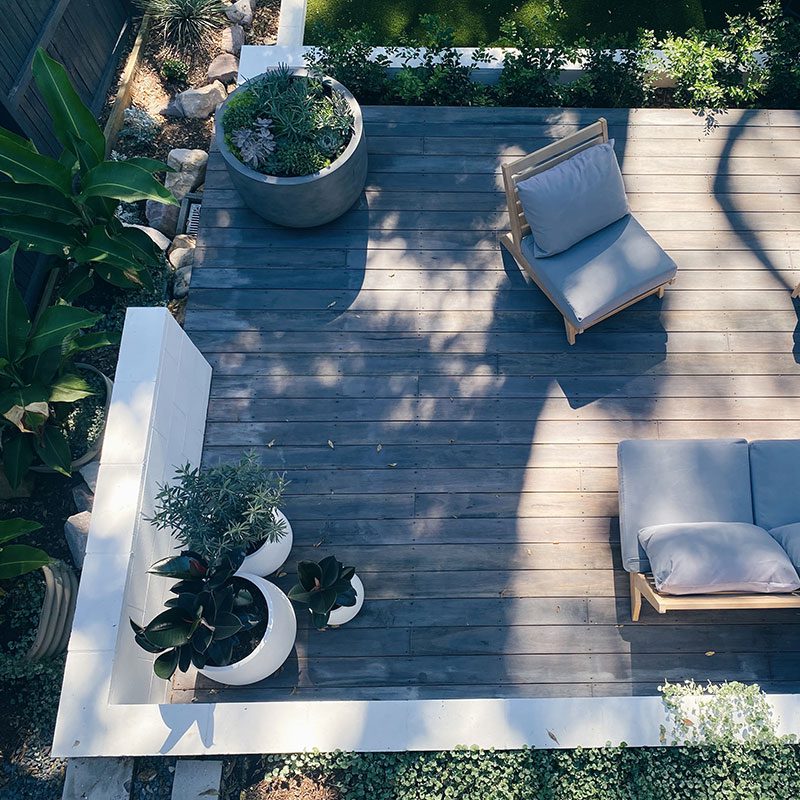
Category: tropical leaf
[166,664]
[91,341]
[55,325]
[149,164]
[14,323]
[72,120]
[226,625]
[38,201]
[124,181]
[170,628]
[12,528]
[24,165]
[43,236]
[42,368]
[69,388]
[52,447]
[18,559]
[18,455]
[78,282]
[141,245]
[110,255]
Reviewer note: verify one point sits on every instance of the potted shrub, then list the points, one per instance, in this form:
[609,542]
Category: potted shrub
[216,510]
[234,628]
[294,146]
[331,592]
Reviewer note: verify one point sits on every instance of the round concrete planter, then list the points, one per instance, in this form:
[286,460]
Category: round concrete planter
[345,613]
[274,647]
[271,555]
[309,200]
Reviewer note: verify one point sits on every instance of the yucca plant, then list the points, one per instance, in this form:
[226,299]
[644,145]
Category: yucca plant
[38,383]
[208,620]
[18,559]
[66,207]
[185,23]
[323,586]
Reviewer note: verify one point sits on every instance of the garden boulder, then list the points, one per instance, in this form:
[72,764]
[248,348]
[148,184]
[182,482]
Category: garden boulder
[232,39]
[162,217]
[190,171]
[197,103]
[241,12]
[76,532]
[224,68]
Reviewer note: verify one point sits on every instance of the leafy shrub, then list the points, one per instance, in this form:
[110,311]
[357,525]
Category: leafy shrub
[287,125]
[139,129]
[614,76]
[175,70]
[185,23]
[782,50]
[322,587]
[215,510]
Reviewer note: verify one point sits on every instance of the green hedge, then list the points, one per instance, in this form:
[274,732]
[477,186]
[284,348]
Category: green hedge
[735,772]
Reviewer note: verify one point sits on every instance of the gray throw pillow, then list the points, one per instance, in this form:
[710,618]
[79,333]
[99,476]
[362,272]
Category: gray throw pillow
[574,199]
[788,537]
[712,557]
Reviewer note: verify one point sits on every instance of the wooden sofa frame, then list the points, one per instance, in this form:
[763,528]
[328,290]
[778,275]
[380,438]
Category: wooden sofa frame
[643,586]
[539,161]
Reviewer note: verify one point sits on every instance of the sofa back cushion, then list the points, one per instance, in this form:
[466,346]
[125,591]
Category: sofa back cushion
[775,473]
[713,557]
[574,199]
[679,480]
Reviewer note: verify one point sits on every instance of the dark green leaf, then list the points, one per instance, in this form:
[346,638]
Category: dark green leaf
[42,369]
[309,572]
[182,566]
[69,388]
[149,164]
[24,165]
[91,341]
[124,181]
[18,559]
[37,201]
[14,323]
[226,625]
[56,324]
[171,628]
[166,664]
[141,640]
[11,528]
[38,235]
[319,620]
[18,455]
[52,447]
[78,282]
[220,653]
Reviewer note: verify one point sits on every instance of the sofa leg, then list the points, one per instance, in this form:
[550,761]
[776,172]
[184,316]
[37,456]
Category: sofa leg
[661,290]
[636,599]
[571,331]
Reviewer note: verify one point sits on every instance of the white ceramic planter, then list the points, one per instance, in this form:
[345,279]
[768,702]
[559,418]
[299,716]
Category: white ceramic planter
[345,613]
[271,555]
[272,650]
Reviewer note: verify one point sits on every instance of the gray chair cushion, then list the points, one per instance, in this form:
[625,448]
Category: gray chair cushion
[574,199]
[788,537]
[679,480]
[712,557]
[599,274]
[775,472]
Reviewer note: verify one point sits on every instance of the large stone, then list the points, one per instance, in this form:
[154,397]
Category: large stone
[182,241]
[83,498]
[163,242]
[76,532]
[197,103]
[190,171]
[89,474]
[182,258]
[240,12]
[162,217]
[98,779]
[224,68]
[182,280]
[196,780]
[232,39]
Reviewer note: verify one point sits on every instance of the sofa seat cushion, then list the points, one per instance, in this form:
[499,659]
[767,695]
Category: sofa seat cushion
[679,480]
[714,557]
[775,468]
[788,537]
[602,272]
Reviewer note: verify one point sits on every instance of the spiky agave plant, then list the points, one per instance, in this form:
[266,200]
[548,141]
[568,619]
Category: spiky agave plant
[206,620]
[185,22]
[323,586]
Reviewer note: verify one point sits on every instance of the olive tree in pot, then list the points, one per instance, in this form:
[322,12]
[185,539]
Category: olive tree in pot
[332,592]
[215,510]
[294,146]
[233,627]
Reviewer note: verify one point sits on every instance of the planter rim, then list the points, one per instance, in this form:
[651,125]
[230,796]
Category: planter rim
[260,177]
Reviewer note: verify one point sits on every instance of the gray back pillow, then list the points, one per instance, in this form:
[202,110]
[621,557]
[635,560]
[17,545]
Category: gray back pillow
[574,199]
[713,557]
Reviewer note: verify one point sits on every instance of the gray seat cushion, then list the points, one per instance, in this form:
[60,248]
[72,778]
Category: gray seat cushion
[775,472]
[602,272]
[679,480]
[574,199]
[713,557]
[788,537]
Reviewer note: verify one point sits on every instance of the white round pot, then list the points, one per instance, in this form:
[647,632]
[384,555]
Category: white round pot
[271,556]
[274,647]
[345,613]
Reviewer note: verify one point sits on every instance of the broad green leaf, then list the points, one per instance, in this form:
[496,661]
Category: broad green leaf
[166,664]
[72,120]
[141,245]
[37,201]
[124,181]
[183,566]
[55,325]
[52,447]
[14,322]
[69,388]
[11,528]
[18,559]
[78,282]
[24,165]
[40,235]
[42,369]
[226,625]
[18,455]
[124,277]
[20,140]
[149,164]
[91,341]
[171,628]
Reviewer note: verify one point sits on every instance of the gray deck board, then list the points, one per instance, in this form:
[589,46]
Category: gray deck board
[440,434]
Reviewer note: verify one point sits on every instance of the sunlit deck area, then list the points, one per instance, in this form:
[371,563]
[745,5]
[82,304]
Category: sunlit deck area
[442,436]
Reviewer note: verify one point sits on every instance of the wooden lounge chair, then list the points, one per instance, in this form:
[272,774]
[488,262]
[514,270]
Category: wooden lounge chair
[600,275]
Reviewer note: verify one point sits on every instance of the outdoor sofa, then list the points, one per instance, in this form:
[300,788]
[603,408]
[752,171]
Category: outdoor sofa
[573,233]
[710,523]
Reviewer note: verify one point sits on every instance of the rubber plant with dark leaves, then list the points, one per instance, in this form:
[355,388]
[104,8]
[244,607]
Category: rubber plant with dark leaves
[66,207]
[38,384]
[204,624]
[323,586]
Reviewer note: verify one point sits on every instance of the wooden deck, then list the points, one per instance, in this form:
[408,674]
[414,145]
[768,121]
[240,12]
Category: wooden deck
[442,436]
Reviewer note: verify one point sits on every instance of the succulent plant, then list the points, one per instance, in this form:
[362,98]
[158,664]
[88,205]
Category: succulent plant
[255,144]
[207,620]
[323,586]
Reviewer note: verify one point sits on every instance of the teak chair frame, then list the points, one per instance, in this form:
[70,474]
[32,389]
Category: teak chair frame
[539,161]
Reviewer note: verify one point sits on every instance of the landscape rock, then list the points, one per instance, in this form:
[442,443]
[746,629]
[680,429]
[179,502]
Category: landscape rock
[182,258]
[224,68]
[162,241]
[84,499]
[89,474]
[181,242]
[181,282]
[190,171]
[197,780]
[240,12]
[232,39]
[197,103]
[162,217]
[76,532]
[98,779]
